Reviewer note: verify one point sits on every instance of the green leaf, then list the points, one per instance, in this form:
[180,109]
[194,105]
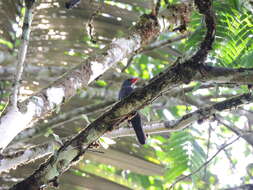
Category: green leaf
[101,83]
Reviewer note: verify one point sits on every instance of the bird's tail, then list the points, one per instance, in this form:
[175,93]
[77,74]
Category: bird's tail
[136,123]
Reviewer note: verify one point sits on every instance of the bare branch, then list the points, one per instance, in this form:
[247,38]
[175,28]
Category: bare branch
[241,187]
[224,146]
[156,45]
[12,161]
[67,155]
[151,128]
[22,50]
[246,135]
[164,43]
[225,75]
[38,130]
[56,94]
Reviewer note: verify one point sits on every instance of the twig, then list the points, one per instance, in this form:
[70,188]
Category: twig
[157,7]
[159,44]
[164,43]
[167,2]
[224,146]
[129,61]
[22,50]
[208,148]
[90,25]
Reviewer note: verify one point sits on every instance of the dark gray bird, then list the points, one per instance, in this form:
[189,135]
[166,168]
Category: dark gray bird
[125,90]
[71,3]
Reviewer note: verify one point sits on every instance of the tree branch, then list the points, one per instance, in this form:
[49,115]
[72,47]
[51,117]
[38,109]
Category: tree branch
[73,150]
[225,75]
[175,75]
[22,50]
[151,128]
[49,98]
[45,101]
[12,161]
[241,187]
[56,121]
[156,45]
[224,146]
[246,135]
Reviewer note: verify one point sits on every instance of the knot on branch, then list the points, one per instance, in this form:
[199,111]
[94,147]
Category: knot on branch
[203,5]
[148,27]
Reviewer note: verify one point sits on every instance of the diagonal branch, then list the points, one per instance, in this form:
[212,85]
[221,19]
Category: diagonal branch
[188,119]
[44,102]
[223,147]
[8,162]
[61,90]
[73,150]
[40,129]
[246,135]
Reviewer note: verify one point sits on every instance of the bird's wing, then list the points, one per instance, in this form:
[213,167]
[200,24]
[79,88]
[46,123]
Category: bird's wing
[125,91]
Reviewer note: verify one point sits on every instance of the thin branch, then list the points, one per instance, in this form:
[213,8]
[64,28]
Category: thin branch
[45,101]
[228,156]
[164,43]
[90,26]
[185,121]
[129,61]
[246,135]
[150,128]
[22,50]
[67,155]
[157,8]
[40,129]
[157,45]
[208,149]
[224,146]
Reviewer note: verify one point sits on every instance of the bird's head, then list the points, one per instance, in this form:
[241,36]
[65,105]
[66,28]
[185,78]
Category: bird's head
[130,81]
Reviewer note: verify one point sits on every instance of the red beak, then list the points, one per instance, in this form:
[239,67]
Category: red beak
[134,80]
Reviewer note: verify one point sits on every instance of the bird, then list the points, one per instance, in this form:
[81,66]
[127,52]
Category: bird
[71,3]
[126,89]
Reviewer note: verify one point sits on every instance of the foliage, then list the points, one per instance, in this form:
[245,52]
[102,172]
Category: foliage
[182,152]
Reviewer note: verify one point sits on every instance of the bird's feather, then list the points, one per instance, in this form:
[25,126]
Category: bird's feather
[126,89]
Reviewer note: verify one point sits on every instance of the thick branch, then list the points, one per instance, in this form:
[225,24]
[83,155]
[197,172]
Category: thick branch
[12,161]
[36,152]
[188,119]
[225,75]
[49,98]
[173,76]
[242,187]
[73,150]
